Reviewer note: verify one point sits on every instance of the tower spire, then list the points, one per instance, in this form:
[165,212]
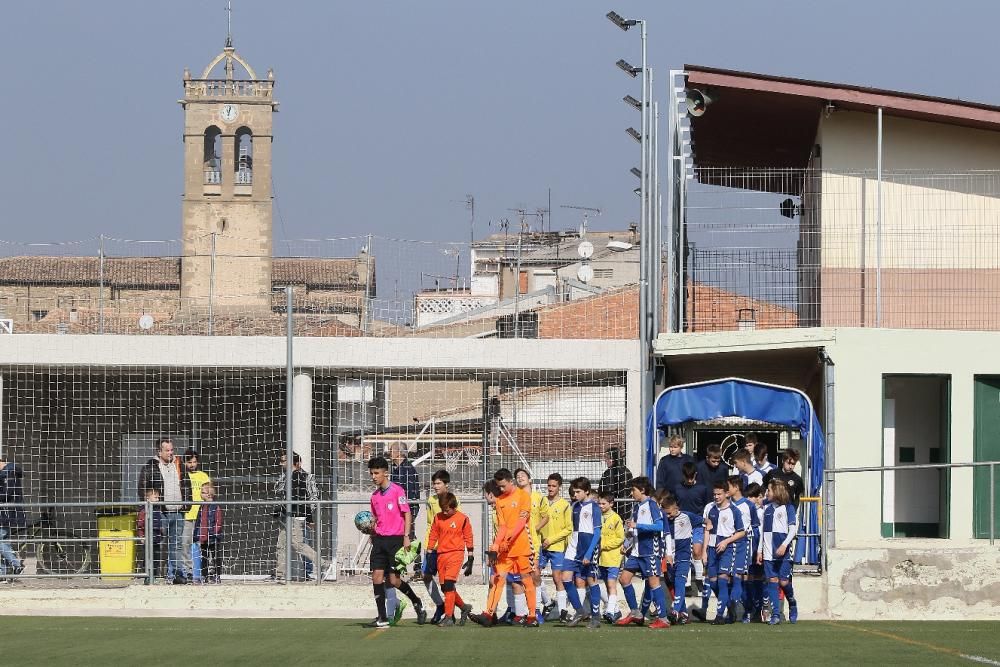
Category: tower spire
[229,23]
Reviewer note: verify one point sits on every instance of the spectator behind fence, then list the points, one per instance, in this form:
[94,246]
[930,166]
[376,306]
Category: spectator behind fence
[157,529]
[669,471]
[617,480]
[190,548]
[303,489]
[404,474]
[208,534]
[163,473]
[11,491]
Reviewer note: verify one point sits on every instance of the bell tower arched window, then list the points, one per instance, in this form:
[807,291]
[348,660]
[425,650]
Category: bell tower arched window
[213,156]
[244,157]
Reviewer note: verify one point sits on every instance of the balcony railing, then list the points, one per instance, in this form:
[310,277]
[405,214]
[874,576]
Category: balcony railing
[200,89]
[213,177]
[244,177]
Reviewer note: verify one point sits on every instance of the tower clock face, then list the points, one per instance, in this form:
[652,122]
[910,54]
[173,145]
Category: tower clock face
[229,112]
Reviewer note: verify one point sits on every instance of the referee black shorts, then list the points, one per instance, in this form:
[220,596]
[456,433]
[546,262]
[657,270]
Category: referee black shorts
[384,548]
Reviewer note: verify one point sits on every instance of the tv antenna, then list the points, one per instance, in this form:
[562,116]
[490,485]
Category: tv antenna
[587,212]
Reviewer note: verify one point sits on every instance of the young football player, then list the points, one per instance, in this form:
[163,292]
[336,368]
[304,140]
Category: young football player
[609,565]
[582,550]
[643,555]
[555,534]
[678,556]
[743,461]
[451,535]
[738,603]
[724,525]
[778,530]
[539,517]
[755,494]
[439,486]
[761,463]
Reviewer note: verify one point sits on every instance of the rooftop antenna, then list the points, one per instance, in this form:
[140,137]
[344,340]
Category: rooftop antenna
[587,211]
[229,24]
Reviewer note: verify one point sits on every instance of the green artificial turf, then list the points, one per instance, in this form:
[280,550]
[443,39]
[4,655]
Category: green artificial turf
[211,642]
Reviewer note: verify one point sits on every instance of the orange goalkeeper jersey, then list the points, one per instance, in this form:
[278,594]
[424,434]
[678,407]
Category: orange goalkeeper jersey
[512,509]
[451,533]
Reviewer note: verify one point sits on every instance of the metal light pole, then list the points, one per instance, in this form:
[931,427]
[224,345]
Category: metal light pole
[647,239]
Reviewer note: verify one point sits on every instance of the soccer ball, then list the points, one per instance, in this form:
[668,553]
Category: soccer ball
[365,522]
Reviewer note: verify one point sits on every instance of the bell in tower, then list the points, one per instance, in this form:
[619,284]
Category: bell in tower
[226,226]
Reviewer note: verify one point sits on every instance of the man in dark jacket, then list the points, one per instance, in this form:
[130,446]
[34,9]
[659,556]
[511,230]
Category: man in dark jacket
[165,474]
[303,489]
[11,491]
[670,469]
[617,480]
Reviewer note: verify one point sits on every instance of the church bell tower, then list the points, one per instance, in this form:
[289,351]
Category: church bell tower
[226,227]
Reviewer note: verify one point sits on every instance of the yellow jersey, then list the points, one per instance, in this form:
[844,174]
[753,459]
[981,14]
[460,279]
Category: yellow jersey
[560,524]
[539,510]
[198,477]
[612,538]
[433,508]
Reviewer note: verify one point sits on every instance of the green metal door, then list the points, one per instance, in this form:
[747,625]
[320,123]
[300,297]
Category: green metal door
[987,448]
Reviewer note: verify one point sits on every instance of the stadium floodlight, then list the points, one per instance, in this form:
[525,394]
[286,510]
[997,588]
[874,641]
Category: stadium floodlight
[634,133]
[632,102]
[638,192]
[635,172]
[622,23]
[628,69]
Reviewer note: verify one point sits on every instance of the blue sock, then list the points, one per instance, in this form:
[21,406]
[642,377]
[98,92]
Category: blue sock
[723,596]
[706,593]
[772,595]
[629,592]
[789,594]
[661,601]
[573,596]
[737,594]
[646,599]
[595,600]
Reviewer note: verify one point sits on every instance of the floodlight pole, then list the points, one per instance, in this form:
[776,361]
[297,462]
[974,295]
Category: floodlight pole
[645,243]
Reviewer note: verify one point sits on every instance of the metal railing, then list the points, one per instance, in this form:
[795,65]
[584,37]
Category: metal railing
[829,493]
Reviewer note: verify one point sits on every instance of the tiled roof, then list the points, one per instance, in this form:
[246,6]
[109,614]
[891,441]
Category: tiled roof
[164,272]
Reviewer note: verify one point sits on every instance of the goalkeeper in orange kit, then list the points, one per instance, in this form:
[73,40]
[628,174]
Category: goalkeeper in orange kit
[512,551]
[451,533]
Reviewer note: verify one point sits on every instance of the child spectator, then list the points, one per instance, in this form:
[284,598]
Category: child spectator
[712,469]
[668,470]
[208,534]
[609,564]
[778,529]
[451,535]
[743,462]
[158,529]
[787,474]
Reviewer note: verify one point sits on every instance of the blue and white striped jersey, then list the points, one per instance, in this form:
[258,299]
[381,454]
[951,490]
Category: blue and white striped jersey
[649,529]
[749,478]
[765,468]
[778,526]
[585,540]
[726,522]
[751,522]
[680,534]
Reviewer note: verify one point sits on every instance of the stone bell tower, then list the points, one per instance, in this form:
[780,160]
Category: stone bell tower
[226,227]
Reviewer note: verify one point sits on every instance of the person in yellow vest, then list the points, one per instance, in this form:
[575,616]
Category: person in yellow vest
[536,521]
[190,549]
[439,486]
[555,534]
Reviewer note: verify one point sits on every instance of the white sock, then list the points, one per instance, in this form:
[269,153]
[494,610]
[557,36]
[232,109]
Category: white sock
[604,595]
[521,604]
[435,592]
[612,605]
[391,601]
[561,600]
[544,593]
[511,603]
[699,570]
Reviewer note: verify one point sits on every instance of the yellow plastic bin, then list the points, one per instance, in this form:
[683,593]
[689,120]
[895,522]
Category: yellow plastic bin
[115,534]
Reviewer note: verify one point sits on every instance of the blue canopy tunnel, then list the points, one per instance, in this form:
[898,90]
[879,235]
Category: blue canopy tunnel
[737,397]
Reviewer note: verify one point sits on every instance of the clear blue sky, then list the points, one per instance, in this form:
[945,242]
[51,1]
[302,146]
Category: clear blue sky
[391,111]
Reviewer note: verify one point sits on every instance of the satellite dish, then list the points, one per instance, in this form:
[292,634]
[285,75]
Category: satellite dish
[619,246]
[585,249]
[146,322]
[585,273]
